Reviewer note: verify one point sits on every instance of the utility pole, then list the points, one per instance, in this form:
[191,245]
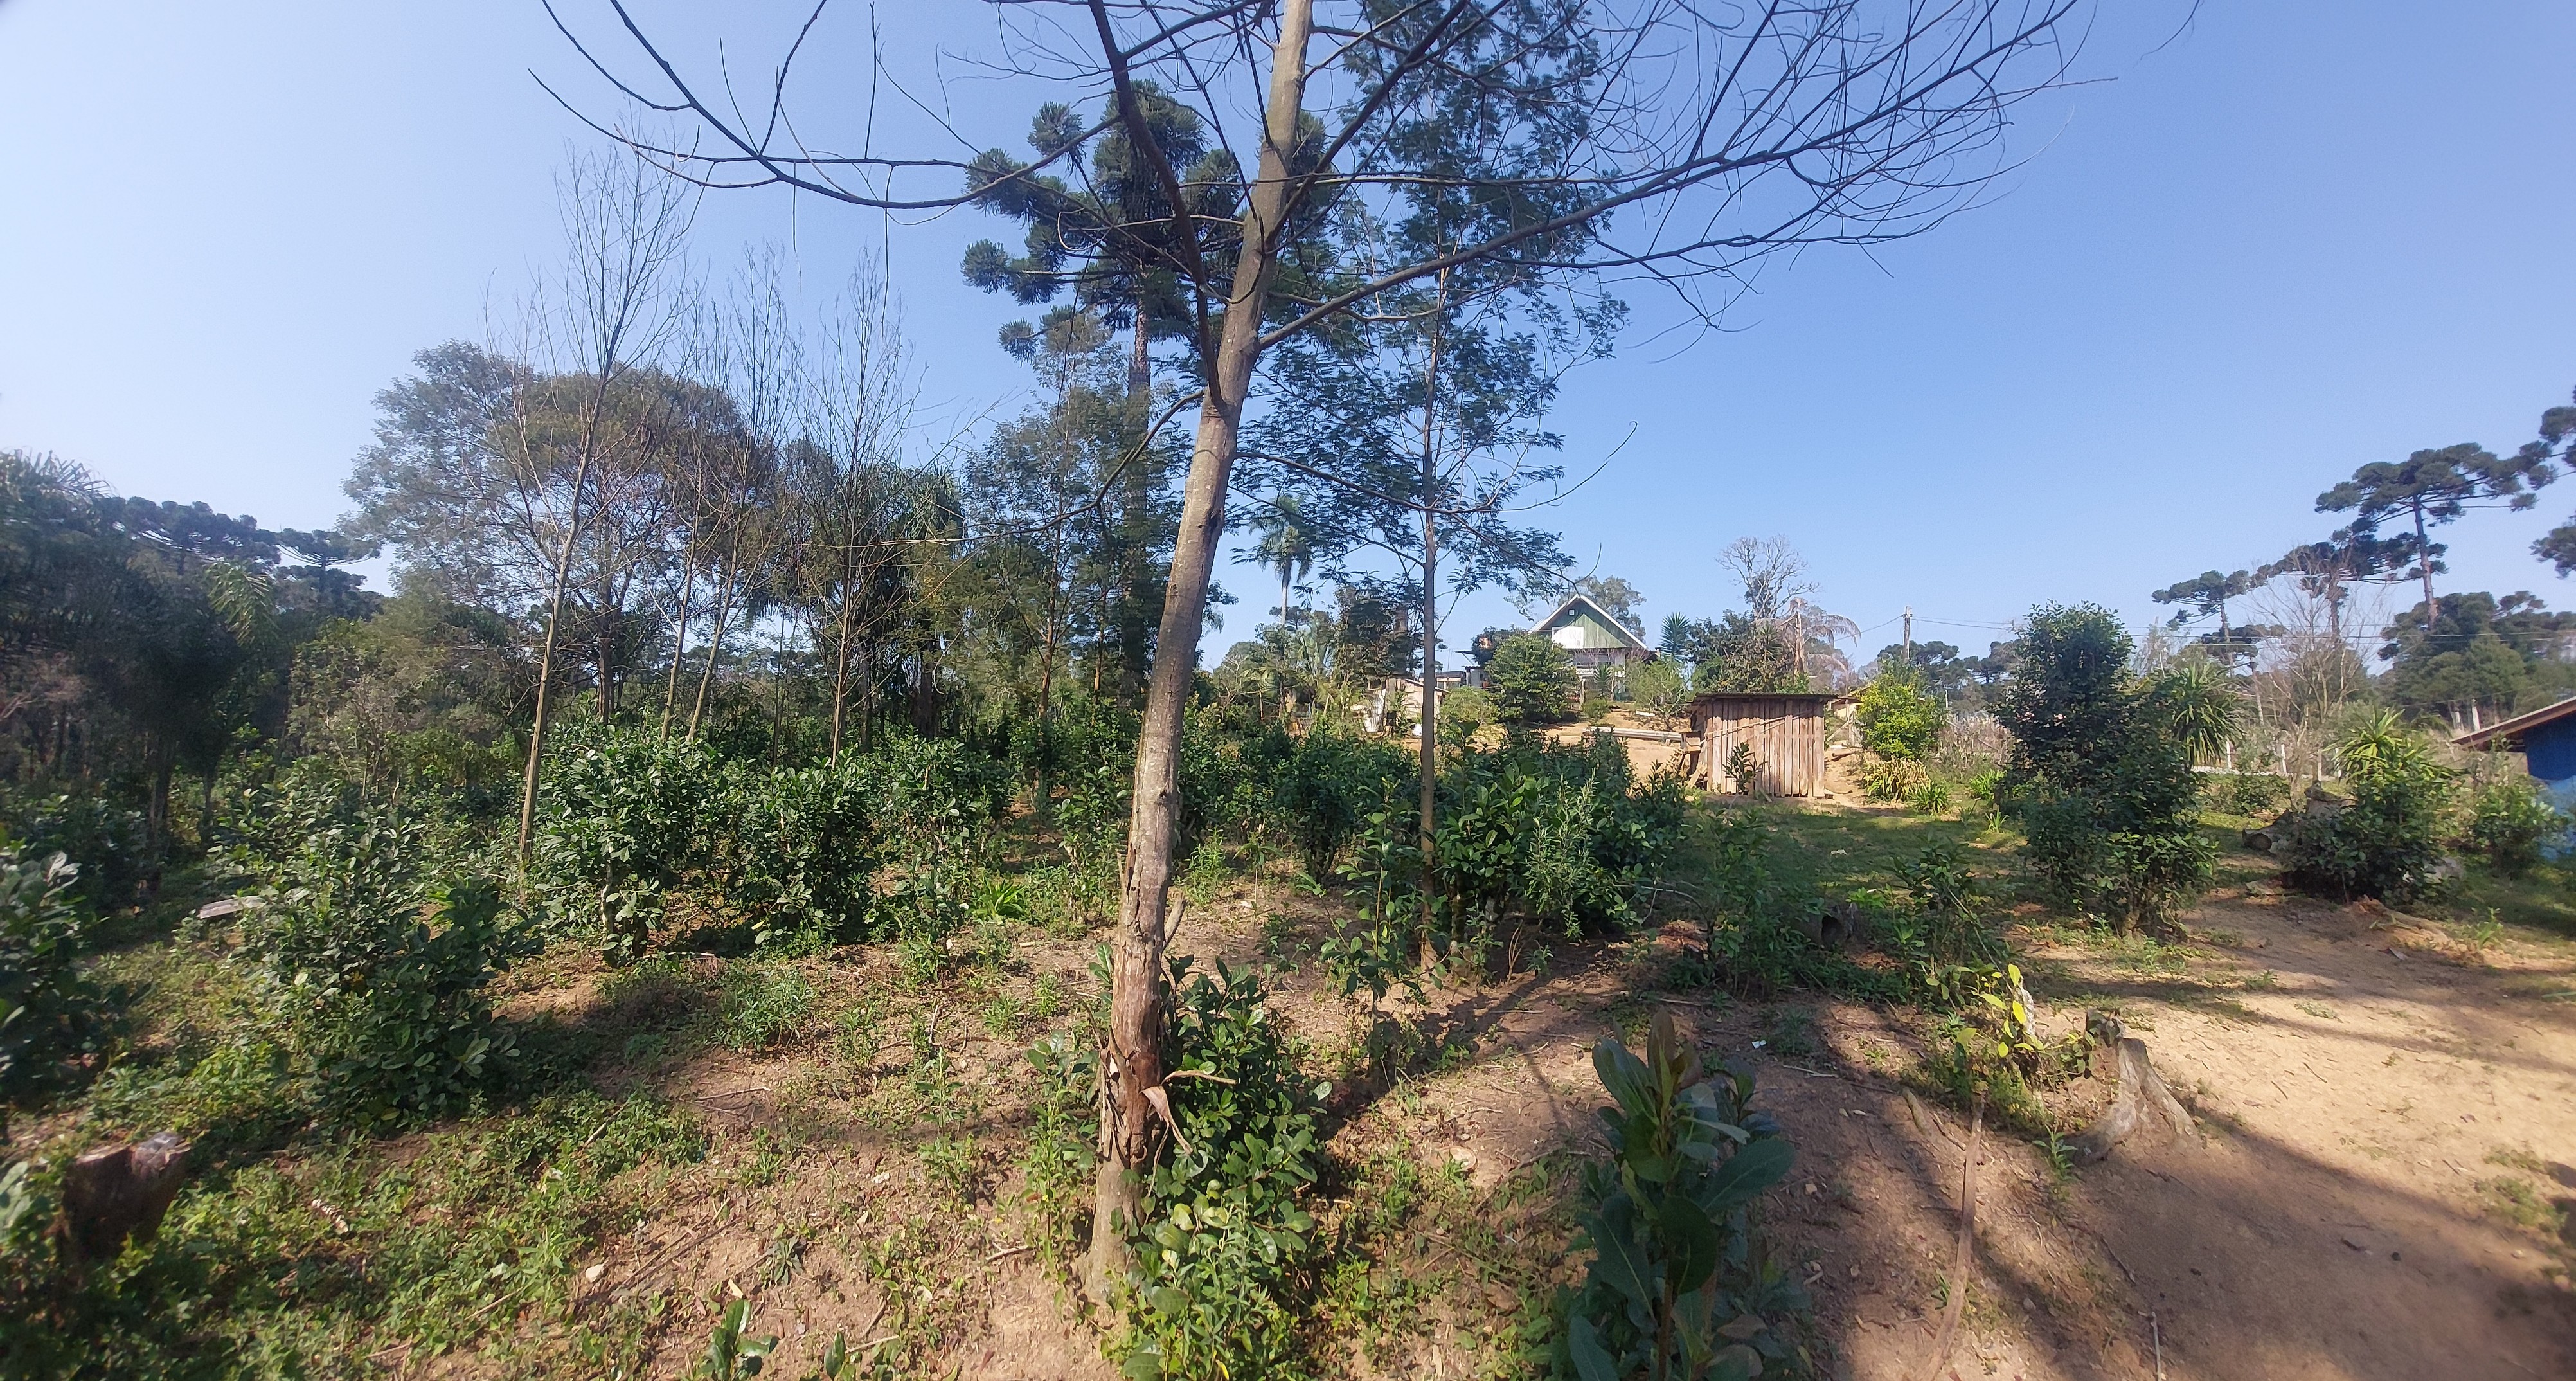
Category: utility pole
[1909,637]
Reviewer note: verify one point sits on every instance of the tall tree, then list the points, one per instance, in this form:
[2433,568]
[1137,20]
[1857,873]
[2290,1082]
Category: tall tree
[1287,546]
[2555,446]
[2206,594]
[1694,143]
[2432,487]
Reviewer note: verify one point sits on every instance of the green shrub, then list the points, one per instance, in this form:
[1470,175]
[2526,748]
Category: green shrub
[622,818]
[389,1006]
[2387,841]
[1938,935]
[108,842]
[1560,836]
[799,850]
[1328,786]
[1897,719]
[1658,689]
[1532,680]
[2511,824]
[2101,771]
[1225,1239]
[1681,1284]
[2249,793]
[47,1010]
[1464,713]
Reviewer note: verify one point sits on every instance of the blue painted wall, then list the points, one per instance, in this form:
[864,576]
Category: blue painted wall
[2551,749]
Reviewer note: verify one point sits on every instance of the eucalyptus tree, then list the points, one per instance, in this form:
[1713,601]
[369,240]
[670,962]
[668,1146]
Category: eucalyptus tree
[2432,487]
[1414,434]
[850,497]
[1035,483]
[736,490]
[1693,143]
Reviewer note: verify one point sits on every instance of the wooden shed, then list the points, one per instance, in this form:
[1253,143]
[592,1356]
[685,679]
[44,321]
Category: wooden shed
[1787,733]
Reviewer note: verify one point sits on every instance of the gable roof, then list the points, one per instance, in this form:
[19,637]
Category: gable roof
[1614,625]
[2509,728]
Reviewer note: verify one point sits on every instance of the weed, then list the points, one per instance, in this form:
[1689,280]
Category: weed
[1789,1036]
[854,1031]
[762,1005]
[949,1163]
[2318,1010]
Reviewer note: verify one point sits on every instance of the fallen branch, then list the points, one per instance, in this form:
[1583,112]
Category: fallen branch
[1962,1256]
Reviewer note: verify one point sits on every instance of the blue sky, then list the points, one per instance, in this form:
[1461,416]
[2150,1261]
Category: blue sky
[2289,241]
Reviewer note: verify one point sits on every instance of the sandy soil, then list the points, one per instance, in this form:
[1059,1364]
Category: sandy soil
[2360,1083]
[2357,1084]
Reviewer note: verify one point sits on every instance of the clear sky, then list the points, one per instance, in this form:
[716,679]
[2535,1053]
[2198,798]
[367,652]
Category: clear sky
[2292,239]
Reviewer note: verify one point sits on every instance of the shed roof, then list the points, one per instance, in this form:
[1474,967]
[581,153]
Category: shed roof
[2516,726]
[1713,697]
[1625,633]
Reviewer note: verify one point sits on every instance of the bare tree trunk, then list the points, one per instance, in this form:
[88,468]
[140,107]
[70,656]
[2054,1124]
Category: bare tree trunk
[841,674]
[1041,798]
[1132,1066]
[715,641]
[2424,564]
[679,649]
[1430,611]
[546,652]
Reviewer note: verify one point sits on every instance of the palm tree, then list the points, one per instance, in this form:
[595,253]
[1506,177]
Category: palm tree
[1287,546]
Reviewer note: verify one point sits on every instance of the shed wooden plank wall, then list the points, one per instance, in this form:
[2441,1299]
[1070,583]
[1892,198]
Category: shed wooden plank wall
[1787,734]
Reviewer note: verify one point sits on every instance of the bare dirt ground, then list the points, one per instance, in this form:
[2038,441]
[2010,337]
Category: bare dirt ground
[2364,1089]
[2386,1128]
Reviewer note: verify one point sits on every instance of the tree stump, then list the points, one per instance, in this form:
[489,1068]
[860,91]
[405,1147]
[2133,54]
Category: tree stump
[120,1191]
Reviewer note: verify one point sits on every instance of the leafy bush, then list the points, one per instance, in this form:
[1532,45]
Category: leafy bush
[2249,793]
[1224,1238]
[2511,823]
[622,819]
[389,1006]
[1464,713]
[800,848]
[1743,771]
[1327,787]
[109,843]
[1680,1284]
[1658,689]
[1938,936]
[1532,680]
[2101,771]
[2387,841]
[47,1009]
[1560,836]
[1897,719]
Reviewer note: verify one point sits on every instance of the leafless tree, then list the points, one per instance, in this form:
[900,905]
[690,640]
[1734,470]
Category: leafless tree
[610,309]
[1679,143]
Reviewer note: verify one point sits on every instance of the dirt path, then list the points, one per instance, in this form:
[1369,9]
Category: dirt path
[2360,1100]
